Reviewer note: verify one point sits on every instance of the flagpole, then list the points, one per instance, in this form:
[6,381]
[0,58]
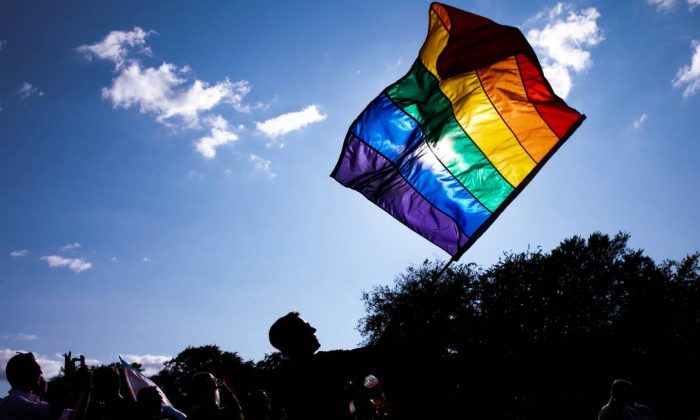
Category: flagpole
[444,268]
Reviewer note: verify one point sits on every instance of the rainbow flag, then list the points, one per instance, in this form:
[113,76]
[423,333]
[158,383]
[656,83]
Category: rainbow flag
[446,148]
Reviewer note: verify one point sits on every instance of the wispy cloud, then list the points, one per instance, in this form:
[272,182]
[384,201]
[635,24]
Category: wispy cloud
[564,42]
[115,46]
[194,175]
[76,265]
[220,134]
[241,89]
[662,5]
[262,165]
[292,121]
[146,259]
[68,247]
[114,259]
[20,337]
[639,122]
[19,253]
[692,4]
[150,363]
[397,63]
[2,44]
[27,90]
[176,98]
[167,92]
[689,76]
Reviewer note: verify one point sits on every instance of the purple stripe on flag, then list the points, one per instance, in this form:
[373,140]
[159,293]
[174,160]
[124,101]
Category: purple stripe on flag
[364,169]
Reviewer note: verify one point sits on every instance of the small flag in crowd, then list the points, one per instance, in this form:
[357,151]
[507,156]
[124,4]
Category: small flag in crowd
[136,381]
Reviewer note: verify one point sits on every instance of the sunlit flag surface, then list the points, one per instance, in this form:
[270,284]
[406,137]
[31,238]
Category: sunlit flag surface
[446,148]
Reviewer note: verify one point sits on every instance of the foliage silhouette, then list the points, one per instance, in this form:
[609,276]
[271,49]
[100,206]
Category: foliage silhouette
[174,379]
[541,334]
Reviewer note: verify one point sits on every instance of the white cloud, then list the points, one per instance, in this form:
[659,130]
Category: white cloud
[19,253]
[146,259]
[114,259]
[219,135]
[240,90]
[2,44]
[171,94]
[289,122]
[639,122]
[160,91]
[115,46]
[563,44]
[662,5]
[27,337]
[49,367]
[27,90]
[689,76]
[74,264]
[262,165]
[68,247]
[163,90]
[20,337]
[151,364]
[692,4]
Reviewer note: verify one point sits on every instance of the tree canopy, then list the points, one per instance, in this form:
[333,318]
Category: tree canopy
[175,377]
[543,334]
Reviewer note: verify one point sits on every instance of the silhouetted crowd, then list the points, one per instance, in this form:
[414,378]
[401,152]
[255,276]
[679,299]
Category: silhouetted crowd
[311,384]
[98,394]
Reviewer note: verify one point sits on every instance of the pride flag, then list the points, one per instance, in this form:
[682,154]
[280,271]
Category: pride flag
[446,148]
[136,381]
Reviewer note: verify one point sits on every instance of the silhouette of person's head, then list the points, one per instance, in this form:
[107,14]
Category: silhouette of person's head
[204,389]
[23,372]
[622,392]
[105,383]
[293,336]
[149,402]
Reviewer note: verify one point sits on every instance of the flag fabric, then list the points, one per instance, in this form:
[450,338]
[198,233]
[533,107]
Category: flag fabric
[446,148]
[136,381]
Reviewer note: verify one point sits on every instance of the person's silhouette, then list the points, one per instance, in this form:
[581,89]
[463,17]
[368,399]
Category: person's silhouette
[25,377]
[212,399]
[314,383]
[622,405]
[106,402]
[257,406]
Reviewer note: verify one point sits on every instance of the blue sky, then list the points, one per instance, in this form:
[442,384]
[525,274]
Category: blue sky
[164,166]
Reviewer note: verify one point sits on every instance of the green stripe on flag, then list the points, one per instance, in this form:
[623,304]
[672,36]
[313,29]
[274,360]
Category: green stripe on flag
[419,95]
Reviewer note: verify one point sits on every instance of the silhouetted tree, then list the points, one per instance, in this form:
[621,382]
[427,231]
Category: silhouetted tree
[542,335]
[175,377]
[136,365]
[271,361]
